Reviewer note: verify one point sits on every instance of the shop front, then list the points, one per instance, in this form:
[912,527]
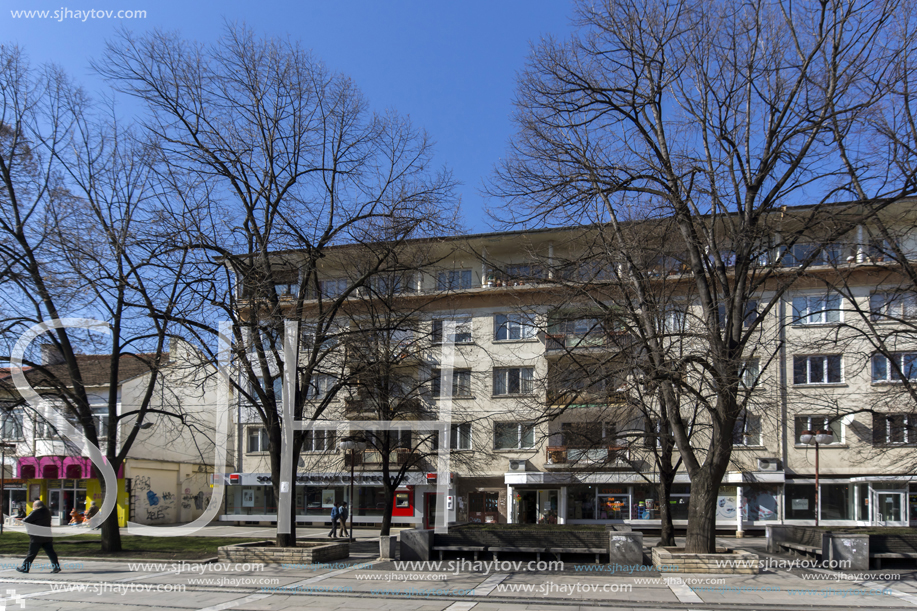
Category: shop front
[250,498]
[855,501]
[64,483]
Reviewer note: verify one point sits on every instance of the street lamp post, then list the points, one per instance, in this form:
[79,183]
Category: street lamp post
[816,438]
[354,445]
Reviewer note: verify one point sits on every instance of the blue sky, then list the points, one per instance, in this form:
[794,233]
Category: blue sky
[450,66]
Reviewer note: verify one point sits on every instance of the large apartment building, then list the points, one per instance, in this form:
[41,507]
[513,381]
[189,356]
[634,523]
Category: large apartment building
[531,443]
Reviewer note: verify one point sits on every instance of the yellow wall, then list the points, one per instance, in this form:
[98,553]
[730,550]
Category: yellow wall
[93,491]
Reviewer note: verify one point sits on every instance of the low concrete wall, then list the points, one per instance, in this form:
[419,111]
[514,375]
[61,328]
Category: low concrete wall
[264,552]
[625,548]
[776,534]
[731,562]
[416,544]
[387,547]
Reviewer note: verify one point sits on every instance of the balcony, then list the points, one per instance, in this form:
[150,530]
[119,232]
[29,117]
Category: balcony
[563,457]
[570,398]
[410,408]
[557,344]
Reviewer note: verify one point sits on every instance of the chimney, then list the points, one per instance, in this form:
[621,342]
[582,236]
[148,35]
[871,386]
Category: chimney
[51,355]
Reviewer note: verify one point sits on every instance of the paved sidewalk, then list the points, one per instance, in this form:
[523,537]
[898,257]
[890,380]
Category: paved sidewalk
[363,582]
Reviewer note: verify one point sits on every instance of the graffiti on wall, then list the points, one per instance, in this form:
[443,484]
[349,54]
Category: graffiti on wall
[157,506]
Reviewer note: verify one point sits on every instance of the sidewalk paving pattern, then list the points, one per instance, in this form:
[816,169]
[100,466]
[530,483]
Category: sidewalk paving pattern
[112,585]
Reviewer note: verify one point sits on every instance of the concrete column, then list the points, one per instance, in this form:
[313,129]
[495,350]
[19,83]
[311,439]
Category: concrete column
[509,504]
[562,506]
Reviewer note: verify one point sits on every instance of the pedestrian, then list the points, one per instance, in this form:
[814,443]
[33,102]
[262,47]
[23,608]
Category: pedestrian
[335,514]
[342,515]
[40,516]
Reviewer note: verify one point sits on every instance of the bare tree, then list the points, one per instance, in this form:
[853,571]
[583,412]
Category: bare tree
[714,116]
[276,160]
[82,233]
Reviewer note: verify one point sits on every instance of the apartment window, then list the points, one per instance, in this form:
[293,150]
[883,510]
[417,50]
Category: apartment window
[586,434]
[894,429]
[524,271]
[320,386]
[11,427]
[257,440]
[751,313]
[830,254]
[747,431]
[749,373]
[514,381]
[818,423]
[894,306]
[333,287]
[514,435]
[454,280]
[393,284]
[885,369]
[278,388]
[100,419]
[817,309]
[673,320]
[317,440]
[514,326]
[286,283]
[460,437]
[461,333]
[817,369]
[461,383]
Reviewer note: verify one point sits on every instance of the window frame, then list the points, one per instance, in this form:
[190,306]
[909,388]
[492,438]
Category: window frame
[459,432]
[454,280]
[436,329]
[891,376]
[13,419]
[904,302]
[436,383]
[743,438]
[497,371]
[310,436]
[909,429]
[261,433]
[827,369]
[805,319]
[524,322]
[522,429]
[838,434]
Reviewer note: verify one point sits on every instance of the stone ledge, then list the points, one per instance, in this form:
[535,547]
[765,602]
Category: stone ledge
[264,552]
[674,560]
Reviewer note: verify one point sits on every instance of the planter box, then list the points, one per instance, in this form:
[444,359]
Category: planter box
[264,552]
[387,547]
[728,561]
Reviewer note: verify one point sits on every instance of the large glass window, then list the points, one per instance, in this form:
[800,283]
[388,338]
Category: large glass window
[747,431]
[819,369]
[513,435]
[817,309]
[836,502]
[461,436]
[827,254]
[581,503]
[514,381]
[11,425]
[519,325]
[893,306]
[800,501]
[320,386]
[317,440]
[760,502]
[894,429]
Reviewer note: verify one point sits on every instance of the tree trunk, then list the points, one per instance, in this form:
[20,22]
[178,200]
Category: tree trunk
[389,506]
[667,529]
[111,532]
[701,535]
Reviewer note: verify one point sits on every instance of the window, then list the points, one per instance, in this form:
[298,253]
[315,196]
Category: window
[673,320]
[461,334]
[817,369]
[100,419]
[317,440]
[818,423]
[751,313]
[461,383]
[830,254]
[11,427]
[286,283]
[460,436]
[454,280]
[333,287]
[393,284]
[586,434]
[260,382]
[524,271]
[514,435]
[257,440]
[320,386]
[748,375]
[897,429]
[514,381]
[885,369]
[895,306]
[817,310]
[747,431]
[514,326]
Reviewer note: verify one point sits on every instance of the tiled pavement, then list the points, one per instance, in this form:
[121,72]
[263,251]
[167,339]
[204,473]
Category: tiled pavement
[114,586]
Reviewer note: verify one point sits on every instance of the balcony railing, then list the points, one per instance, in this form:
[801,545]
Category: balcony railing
[371,458]
[582,457]
[563,398]
[565,342]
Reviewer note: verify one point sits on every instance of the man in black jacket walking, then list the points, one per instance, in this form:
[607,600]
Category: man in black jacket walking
[40,516]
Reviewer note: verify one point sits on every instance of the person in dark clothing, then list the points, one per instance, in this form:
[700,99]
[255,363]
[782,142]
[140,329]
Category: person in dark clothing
[335,515]
[342,516]
[40,516]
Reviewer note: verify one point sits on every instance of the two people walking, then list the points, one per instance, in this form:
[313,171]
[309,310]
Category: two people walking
[339,513]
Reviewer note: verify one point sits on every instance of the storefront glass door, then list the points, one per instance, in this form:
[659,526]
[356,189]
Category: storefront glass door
[889,508]
[547,506]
